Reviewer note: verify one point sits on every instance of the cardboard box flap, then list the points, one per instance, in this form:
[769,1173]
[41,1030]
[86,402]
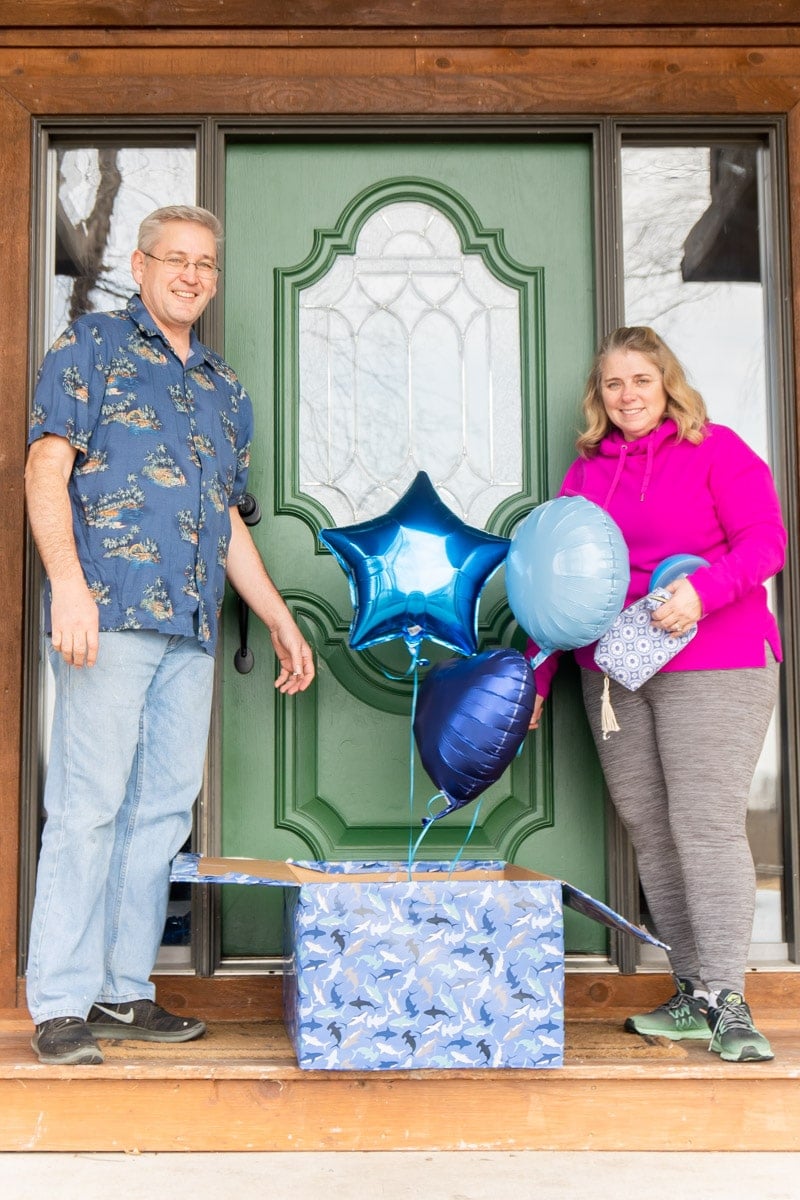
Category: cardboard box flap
[194,868]
[256,869]
[589,907]
[273,871]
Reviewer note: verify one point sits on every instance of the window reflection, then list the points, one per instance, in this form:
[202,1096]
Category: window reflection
[100,195]
[723,245]
[692,265]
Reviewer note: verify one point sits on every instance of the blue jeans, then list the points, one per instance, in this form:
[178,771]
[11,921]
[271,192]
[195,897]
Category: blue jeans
[125,767]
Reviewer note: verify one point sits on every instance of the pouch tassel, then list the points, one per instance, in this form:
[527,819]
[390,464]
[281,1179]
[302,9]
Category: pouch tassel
[608,721]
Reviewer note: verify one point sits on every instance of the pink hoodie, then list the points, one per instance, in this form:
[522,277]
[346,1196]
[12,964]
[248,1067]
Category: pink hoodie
[716,500]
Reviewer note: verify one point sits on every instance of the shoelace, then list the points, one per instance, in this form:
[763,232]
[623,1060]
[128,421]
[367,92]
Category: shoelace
[733,1014]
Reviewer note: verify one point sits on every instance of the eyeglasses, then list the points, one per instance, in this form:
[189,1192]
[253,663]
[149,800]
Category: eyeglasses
[178,263]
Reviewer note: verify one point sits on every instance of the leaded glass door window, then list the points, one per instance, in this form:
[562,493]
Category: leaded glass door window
[409,360]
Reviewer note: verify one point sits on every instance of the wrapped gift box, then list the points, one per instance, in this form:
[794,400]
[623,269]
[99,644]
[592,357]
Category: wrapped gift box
[447,969]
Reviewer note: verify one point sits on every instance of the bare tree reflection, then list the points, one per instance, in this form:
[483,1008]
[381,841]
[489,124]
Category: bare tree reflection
[96,232]
[104,191]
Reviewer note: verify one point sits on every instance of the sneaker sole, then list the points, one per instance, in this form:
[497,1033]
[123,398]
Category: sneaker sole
[87,1056]
[746,1054]
[691,1035]
[127,1033]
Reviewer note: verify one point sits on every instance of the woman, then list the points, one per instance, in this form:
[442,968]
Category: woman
[679,770]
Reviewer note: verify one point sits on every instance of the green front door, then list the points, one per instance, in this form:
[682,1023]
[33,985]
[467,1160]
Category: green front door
[398,305]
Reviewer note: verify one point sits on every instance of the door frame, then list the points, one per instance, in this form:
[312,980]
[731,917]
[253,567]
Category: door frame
[605,133]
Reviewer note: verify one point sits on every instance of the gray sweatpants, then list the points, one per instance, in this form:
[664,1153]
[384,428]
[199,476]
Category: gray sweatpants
[679,773]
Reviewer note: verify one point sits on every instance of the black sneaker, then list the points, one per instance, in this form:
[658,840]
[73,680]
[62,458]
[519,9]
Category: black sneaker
[734,1037]
[66,1040]
[142,1020]
[682,1017]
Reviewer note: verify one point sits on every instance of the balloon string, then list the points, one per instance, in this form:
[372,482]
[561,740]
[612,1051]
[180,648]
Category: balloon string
[412,854]
[412,850]
[415,663]
[475,816]
[414,693]
[413,643]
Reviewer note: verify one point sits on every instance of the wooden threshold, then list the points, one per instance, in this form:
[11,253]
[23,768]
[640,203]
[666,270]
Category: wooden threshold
[239,1088]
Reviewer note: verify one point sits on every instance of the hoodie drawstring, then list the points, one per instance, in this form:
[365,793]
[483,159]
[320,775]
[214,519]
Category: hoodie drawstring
[623,452]
[621,460]
[648,468]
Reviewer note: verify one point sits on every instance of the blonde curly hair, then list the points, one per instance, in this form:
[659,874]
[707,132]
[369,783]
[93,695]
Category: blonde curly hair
[684,403]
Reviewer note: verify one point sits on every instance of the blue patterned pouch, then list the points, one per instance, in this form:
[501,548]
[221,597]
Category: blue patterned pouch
[633,649]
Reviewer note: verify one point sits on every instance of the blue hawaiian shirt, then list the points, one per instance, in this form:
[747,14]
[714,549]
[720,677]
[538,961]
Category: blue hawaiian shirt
[163,451]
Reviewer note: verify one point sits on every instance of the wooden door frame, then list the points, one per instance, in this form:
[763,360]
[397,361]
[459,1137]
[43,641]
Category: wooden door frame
[255,59]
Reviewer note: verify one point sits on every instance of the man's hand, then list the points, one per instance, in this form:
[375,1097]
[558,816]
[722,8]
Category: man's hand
[249,577]
[294,655]
[74,613]
[76,623]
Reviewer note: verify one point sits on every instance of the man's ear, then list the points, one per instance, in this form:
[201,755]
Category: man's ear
[137,265]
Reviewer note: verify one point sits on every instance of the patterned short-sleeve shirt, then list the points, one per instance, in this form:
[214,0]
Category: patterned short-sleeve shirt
[163,451]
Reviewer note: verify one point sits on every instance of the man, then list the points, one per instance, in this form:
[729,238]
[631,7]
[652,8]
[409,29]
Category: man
[139,451]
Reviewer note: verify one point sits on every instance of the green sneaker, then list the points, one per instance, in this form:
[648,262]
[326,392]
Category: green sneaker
[734,1037]
[683,1016]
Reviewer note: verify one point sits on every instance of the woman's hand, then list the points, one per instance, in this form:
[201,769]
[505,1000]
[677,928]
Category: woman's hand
[682,610]
[536,716]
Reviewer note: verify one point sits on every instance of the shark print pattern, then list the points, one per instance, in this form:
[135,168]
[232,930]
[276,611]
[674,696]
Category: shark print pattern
[433,974]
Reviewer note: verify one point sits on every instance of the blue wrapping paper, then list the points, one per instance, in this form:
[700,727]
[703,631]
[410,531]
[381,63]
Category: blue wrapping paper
[434,973]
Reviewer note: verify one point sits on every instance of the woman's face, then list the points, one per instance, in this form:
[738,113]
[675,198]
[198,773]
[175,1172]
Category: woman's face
[632,392]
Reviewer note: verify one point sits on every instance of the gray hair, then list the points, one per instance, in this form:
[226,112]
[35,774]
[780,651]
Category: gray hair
[151,227]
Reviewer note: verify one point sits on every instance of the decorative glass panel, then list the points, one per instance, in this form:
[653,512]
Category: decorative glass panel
[409,361]
[693,238]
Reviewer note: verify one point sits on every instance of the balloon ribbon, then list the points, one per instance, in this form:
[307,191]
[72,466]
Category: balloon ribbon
[413,641]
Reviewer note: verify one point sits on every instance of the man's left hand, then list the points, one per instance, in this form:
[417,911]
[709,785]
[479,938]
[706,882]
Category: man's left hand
[295,656]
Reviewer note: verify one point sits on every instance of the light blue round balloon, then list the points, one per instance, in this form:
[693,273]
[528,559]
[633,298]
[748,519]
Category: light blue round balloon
[567,573]
[672,568]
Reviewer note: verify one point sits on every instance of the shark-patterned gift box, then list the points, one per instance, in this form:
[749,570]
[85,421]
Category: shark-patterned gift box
[448,969]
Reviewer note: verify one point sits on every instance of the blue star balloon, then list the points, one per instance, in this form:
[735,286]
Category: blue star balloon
[416,572]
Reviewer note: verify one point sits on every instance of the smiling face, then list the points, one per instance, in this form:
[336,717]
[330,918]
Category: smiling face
[175,299]
[633,394]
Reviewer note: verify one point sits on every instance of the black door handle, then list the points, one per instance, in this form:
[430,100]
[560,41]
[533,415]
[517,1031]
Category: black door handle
[250,512]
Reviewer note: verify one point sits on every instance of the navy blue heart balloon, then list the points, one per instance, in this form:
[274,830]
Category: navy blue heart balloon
[416,572]
[472,716]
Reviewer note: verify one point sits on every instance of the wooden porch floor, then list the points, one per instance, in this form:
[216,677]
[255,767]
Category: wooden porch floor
[239,1087]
